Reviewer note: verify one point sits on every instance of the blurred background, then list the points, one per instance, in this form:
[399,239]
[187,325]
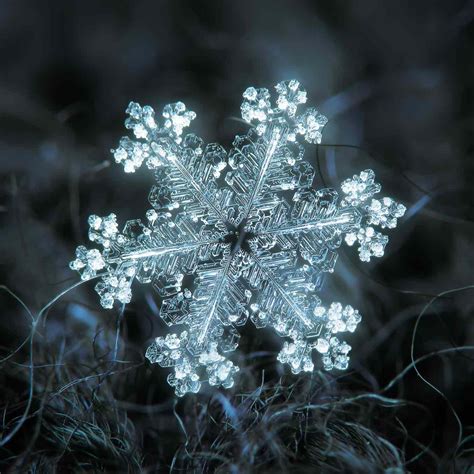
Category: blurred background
[395,79]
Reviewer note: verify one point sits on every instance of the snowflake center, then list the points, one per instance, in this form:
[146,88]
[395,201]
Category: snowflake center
[238,238]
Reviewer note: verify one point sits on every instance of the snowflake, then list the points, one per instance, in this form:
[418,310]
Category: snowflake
[236,235]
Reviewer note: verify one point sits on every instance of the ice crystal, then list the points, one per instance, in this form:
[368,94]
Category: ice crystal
[236,235]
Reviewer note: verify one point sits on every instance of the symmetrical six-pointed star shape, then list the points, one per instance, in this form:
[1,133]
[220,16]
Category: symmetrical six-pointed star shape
[236,235]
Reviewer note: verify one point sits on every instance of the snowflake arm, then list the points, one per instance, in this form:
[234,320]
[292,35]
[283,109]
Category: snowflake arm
[219,303]
[219,299]
[280,293]
[190,169]
[269,159]
[274,136]
[285,303]
[318,217]
[146,253]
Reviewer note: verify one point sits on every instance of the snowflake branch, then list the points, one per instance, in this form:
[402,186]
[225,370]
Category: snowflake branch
[196,189]
[283,293]
[159,251]
[345,217]
[276,134]
[214,300]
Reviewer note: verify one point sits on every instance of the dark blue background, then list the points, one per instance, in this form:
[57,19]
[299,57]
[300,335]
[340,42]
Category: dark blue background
[396,80]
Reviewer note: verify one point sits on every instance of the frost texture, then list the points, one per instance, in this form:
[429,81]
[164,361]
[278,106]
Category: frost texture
[236,235]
